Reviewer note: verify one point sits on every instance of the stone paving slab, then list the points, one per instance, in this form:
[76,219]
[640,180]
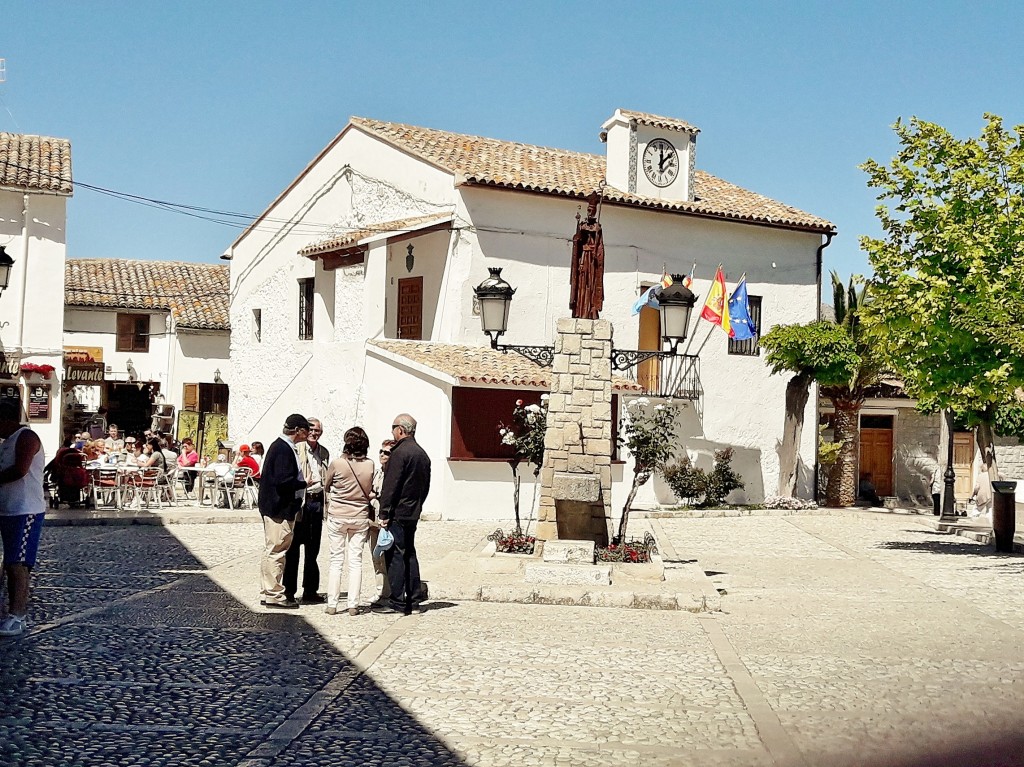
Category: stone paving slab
[842,639]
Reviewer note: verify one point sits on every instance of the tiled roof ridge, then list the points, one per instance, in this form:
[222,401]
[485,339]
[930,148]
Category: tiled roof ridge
[370,123]
[34,162]
[355,234]
[195,293]
[646,118]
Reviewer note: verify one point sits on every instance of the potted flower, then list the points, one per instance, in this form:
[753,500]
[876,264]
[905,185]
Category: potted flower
[28,368]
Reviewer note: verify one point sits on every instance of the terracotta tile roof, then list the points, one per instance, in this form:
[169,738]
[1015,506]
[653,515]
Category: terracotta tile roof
[506,164]
[657,121]
[481,364]
[35,163]
[352,238]
[195,294]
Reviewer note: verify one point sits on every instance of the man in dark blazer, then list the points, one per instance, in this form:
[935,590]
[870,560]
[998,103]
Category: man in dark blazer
[282,486]
[405,488]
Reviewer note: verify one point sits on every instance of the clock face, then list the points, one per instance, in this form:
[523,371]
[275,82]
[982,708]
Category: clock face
[661,162]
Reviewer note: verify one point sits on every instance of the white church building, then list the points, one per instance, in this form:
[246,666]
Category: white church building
[352,295]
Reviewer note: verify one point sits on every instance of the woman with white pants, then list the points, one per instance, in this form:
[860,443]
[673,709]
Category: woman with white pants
[349,487]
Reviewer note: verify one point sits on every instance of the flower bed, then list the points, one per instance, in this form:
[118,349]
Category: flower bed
[515,542]
[629,552]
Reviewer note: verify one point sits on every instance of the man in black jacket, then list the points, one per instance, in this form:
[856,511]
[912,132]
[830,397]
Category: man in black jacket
[282,486]
[405,488]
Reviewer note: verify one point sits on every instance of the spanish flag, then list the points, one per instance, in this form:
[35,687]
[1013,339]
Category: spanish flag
[716,307]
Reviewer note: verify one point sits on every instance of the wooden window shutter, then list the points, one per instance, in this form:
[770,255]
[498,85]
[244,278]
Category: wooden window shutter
[125,332]
[190,397]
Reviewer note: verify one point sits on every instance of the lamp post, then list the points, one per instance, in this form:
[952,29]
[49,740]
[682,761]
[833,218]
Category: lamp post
[495,297]
[677,302]
[6,262]
[949,477]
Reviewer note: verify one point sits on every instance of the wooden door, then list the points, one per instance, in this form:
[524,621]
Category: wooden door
[963,464]
[410,308]
[876,457]
[648,372]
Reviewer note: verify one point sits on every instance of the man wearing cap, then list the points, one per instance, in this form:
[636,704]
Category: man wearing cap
[404,489]
[280,499]
[309,528]
[22,506]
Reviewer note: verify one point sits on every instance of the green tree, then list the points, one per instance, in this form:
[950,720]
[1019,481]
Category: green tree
[649,433]
[949,269]
[817,351]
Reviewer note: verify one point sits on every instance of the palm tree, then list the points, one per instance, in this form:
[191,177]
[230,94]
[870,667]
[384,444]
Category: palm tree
[847,394]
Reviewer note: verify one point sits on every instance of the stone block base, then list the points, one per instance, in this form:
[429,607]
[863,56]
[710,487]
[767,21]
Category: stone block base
[569,552]
[569,575]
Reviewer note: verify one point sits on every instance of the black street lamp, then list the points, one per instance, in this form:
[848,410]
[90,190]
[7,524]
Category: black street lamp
[949,477]
[495,297]
[677,302]
[6,262]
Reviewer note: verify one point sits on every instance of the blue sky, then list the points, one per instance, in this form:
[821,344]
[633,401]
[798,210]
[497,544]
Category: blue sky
[221,104]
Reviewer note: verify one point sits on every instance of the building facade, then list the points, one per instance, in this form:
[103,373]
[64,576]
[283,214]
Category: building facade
[148,341]
[361,306]
[35,184]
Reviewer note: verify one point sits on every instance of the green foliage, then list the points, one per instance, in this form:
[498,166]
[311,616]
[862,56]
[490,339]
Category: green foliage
[822,350]
[828,452]
[649,434]
[949,271]
[1009,420]
[704,489]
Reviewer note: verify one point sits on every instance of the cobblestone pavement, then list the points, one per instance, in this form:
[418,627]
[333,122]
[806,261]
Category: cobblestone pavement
[843,640]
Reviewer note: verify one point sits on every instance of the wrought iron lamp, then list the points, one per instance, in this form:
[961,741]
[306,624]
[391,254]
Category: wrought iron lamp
[495,297]
[677,302]
[6,262]
[216,377]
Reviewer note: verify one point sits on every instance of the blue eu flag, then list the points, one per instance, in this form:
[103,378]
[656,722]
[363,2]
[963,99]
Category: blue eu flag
[743,326]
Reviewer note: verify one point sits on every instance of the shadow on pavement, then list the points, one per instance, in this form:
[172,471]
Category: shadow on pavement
[179,672]
[942,547]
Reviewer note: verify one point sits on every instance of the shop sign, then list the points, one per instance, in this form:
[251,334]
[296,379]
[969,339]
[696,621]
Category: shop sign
[82,355]
[84,374]
[11,393]
[10,364]
[39,403]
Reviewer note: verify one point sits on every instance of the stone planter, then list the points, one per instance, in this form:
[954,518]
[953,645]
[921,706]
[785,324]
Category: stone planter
[639,571]
[491,561]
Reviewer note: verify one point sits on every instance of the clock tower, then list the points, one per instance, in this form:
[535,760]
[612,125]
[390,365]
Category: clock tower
[650,156]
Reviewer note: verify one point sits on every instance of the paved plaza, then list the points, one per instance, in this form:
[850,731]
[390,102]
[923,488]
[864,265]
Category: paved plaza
[844,639]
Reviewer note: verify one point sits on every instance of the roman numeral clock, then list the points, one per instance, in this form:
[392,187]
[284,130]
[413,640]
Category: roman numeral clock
[661,162]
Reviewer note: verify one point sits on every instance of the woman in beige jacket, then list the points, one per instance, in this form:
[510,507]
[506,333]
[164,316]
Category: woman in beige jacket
[349,487]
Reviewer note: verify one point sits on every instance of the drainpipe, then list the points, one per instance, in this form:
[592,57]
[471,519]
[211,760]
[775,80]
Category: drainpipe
[817,266]
[24,274]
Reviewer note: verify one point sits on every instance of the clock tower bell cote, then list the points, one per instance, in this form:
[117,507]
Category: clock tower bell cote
[650,156]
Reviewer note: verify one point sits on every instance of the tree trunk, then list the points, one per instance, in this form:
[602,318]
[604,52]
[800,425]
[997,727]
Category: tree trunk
[842,480]
[987,448]
[515,494]
[797,392]
[638,480]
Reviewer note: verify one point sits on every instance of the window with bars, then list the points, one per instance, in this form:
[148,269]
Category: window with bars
[132,332]
[750,347]
[306,309]
[257,325]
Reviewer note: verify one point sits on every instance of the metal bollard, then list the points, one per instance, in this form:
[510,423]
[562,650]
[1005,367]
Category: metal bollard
[1004,515]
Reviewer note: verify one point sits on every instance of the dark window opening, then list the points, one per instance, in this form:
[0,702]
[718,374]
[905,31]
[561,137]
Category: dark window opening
[750,347]
[306,309]
[133,332]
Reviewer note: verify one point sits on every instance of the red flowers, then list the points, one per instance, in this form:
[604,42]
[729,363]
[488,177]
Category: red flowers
[30,367]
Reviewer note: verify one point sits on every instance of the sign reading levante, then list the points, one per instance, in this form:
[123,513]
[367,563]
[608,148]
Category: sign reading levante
[10,364]
[84,374]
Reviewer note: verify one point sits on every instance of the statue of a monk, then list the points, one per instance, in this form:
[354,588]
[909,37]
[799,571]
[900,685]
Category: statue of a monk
[586,278]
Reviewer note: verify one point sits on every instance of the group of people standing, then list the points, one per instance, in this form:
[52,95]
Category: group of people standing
[302,490]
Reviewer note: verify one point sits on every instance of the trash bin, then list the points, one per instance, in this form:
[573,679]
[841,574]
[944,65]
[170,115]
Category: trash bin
[1004,515]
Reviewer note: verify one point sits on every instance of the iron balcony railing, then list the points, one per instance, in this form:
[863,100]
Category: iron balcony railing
[676,376]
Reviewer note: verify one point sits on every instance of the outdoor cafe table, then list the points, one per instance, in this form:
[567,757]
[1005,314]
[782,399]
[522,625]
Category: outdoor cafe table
[202,473]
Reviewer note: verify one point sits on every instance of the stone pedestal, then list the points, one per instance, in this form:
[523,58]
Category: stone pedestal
[576,479]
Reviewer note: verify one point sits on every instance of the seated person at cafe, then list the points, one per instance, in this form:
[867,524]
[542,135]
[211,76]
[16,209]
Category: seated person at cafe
[134,449]
[187,459]
[154,458]
[246,461]
[114,441]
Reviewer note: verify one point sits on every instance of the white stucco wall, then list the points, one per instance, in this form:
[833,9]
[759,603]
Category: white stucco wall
[37,284]
[84,326]
[359,180]
[196,356]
